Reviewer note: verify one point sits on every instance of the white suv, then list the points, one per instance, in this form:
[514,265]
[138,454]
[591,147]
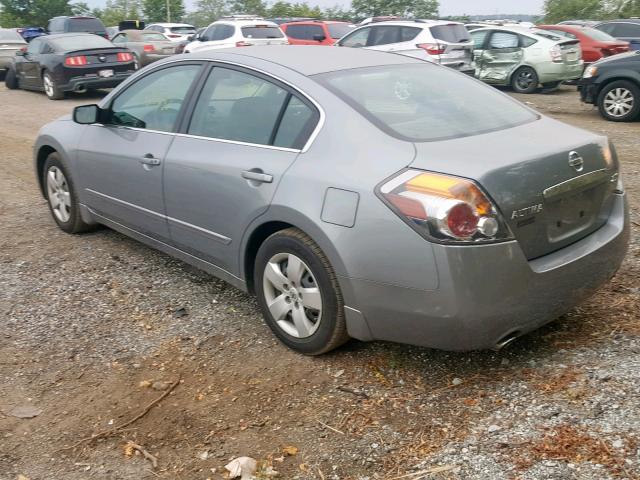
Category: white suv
[238,31]
[176,32]
[446,43]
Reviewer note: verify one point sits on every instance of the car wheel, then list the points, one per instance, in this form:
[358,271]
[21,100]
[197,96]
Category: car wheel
[136,62]
[525,80]
[10,79]
[298,293]
[61,196]
[620,101]
[51,88]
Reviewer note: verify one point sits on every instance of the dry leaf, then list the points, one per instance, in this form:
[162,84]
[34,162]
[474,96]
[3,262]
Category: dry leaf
[145,384]
[290,451]
[243,467]
[128,449]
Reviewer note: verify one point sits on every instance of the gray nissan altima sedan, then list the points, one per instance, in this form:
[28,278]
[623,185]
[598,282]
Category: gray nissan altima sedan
[356,193]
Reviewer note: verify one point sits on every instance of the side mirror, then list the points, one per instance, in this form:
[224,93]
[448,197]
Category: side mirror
[319,37]
[86,114]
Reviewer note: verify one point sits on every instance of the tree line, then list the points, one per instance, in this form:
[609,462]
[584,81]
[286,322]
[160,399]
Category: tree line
[20,13]
[558,10]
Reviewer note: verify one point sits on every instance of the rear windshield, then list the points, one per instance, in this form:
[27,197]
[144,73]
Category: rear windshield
[79,42]
[262,32]
[183,30]
[85,25]
[597,35]
[10,36]
[339,30]
[453,33]
[425,102]
[153,37]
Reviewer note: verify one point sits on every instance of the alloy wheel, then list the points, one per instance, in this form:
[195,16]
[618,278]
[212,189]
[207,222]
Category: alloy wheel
[48,85]
[59,194]
[619,102]
[292,295]
[525,79]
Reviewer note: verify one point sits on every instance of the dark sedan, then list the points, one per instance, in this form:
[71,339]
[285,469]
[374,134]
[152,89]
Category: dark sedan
[69,62]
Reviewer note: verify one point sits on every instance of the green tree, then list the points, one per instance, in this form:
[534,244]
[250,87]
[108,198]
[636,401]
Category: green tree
[206,12]
[338,13]
[405,8]
[156,10]
[558,10]
[117,10]
[32,12]
[248,7]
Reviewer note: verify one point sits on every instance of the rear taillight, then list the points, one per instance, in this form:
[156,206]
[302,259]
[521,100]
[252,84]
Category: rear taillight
[556,54]
[173,35]
[444,208]
[432,48]
[124,57]
[149,48]
[75,61]
[243,44]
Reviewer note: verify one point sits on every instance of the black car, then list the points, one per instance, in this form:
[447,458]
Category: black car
[627,30]
[613,84]
[69,62]
[77,24]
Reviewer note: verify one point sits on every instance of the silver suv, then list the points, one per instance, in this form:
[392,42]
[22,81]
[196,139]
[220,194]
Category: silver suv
[446,43]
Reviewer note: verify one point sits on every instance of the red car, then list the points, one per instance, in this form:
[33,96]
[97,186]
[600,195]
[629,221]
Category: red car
[315,32]
[595,44]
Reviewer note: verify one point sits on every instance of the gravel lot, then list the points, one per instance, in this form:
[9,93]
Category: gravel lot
[91,326]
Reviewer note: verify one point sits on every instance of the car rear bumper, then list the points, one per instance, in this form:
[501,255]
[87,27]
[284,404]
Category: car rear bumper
[93,81]
[558,72]
[488,293]
[588,91]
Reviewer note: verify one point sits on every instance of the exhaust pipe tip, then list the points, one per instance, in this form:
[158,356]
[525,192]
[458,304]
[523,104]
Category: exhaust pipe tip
[508,339]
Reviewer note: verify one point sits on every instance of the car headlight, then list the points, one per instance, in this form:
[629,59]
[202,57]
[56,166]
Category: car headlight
[590,71]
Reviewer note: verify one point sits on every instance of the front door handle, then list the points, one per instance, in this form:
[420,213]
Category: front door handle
[257,176]
[150,160]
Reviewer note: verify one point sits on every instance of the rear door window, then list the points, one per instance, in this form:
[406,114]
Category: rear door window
[479,38]
[339,30]
[85,25]
[222,32]
[357,39]
[384,35]
[500,40]
[453,33]
[296,125]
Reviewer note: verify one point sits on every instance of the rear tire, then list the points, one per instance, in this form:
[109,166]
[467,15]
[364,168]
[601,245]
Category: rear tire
[61,196]
[525,80]
[298,293]
[10,79]
[619,101]
[51,88]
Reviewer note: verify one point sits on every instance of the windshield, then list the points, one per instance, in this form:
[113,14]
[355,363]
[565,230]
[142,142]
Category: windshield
[85,25]
[10,36]
[339,30]
[452,33]
[425,102]
[153,37]
[80,42]
[262,31]
[597,35]
[183,30]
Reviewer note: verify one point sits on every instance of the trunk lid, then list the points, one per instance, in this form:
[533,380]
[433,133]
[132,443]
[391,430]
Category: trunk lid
[571,51]
[546,202]
[98,56]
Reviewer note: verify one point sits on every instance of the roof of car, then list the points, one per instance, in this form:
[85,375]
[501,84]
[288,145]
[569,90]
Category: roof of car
[307,22]
[53,36]
[170,25]
[411,23]
[309,59]
[621,20]
[244,22]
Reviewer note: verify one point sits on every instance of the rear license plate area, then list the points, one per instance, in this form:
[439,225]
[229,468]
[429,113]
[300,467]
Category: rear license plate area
[569,215]
[105,73]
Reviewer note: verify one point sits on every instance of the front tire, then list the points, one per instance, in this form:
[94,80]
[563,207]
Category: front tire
[525,80]
[10,79]
[51,88]
[620,101]
[298,293]
[61,196]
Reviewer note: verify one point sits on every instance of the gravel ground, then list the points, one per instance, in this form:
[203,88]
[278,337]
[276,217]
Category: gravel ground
[94,328]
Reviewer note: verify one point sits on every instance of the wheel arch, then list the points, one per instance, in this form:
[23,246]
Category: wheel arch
[42,154]
[519,67]
[617,76]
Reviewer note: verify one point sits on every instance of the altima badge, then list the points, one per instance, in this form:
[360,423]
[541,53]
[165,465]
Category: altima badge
[525,212]
[576,161]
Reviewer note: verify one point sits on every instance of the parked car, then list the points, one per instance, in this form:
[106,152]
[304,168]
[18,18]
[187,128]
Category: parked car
[525,58]
[112,32]
[613,84]
[77,24]
[191,38]
[627,30]
[595,44]
[445,43]
[580,23]
[10,43]
[147,47]
[68,62]
[238,31]
[176,32]
[494,23]
[316,32]
[465,219]
[29,33]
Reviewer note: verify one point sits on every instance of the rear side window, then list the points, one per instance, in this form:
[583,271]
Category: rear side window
[357,39]
[424,102]
[527,41]
[241,107]
[626,30]
[261,32]
[222,32]
[304,32]
[453,33]
[479,38]
[154,101]
[85,25]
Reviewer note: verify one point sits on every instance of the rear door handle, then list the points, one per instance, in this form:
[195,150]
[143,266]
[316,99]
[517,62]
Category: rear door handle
[257,176]
[149,159]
